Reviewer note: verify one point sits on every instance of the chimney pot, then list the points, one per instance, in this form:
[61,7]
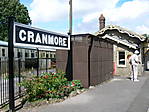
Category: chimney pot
[101,22]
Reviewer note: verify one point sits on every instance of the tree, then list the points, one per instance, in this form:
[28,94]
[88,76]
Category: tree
[146,35]
[12,8]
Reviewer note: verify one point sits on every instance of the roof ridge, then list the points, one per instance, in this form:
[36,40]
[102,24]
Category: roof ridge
[122,30]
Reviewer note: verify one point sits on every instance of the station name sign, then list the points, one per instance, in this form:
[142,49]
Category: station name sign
[29,36]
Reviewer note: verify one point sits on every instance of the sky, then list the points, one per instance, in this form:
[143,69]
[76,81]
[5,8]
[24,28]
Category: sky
[53,15]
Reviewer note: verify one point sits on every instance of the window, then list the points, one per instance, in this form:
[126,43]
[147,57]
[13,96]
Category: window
[54,55]
[26,53]
[51,55]
[19,54]
[43,55]
[3,52]
[47,55]
[36,54]
[121,59]
[40,55]
[32,53]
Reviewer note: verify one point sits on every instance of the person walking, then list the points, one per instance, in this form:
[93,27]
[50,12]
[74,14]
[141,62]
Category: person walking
[134,61]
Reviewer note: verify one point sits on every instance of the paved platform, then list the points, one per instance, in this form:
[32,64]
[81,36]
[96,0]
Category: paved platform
[118,95]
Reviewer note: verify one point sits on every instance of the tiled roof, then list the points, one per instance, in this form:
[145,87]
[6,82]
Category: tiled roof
[121,30]
[124,42]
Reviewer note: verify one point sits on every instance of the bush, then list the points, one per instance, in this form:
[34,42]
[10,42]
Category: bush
[49,85]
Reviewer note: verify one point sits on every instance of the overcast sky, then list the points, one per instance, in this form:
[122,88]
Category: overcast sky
[53,15]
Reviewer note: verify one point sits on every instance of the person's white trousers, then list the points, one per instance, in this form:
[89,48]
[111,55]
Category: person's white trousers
[134,72]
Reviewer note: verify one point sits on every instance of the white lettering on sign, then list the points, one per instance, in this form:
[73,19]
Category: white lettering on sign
[56,40]
[30,36]
[21,33]
[64,42]
[44,39]
[50,40]
[60,41]
[38,39]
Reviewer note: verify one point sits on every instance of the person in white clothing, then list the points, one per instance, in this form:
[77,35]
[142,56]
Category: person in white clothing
[134,61]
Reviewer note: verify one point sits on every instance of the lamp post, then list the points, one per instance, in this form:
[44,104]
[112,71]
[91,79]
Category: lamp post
[70,18]
[69,70]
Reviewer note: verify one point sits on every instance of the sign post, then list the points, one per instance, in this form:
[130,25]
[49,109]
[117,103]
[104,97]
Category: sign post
[27,36]
[11,63]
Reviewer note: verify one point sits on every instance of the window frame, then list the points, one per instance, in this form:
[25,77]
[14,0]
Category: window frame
[118,64]
[3,52]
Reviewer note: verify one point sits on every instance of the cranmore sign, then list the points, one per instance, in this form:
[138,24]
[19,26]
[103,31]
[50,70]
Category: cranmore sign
[25,35]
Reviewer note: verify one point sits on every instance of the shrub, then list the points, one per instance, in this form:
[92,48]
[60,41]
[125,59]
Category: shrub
[49,85]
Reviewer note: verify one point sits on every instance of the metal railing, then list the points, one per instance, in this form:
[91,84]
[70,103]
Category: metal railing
[22,69]
[4,96]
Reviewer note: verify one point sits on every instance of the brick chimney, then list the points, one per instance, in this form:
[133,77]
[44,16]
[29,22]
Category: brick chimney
[101,22]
